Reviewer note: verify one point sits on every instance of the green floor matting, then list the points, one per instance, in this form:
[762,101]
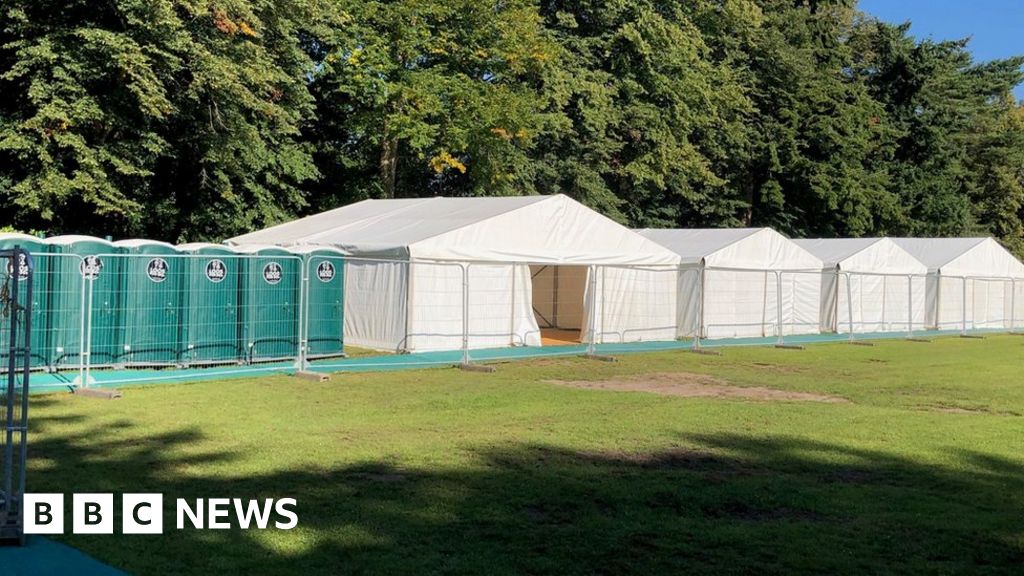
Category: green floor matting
[106,378]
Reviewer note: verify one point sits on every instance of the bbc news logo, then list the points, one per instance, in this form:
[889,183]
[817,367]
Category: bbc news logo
[144,513]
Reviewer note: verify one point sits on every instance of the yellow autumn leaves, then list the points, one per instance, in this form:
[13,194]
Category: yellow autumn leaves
[228,26]
[444,161]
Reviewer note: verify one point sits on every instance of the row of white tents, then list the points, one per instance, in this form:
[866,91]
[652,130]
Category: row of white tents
[444,273]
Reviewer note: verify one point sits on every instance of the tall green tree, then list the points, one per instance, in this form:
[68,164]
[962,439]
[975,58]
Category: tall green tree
[650,114]
[172,118]
[817,142]
[951,118]
[423,96]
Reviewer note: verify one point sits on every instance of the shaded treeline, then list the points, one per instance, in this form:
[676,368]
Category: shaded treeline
[198,119]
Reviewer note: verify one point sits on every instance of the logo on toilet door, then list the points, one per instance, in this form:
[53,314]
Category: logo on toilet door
[216,271]
[272,273]
[157,270]
[22,267]
[90,267]
[325,271]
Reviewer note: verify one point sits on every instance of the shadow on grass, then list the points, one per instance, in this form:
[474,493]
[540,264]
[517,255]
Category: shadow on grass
[729,504]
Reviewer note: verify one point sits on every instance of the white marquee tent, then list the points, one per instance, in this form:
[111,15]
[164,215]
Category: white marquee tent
[868,285]
[975,271]
[410,259]
[735,280]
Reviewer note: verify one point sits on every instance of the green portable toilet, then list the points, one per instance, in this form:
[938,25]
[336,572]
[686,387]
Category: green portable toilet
[78,262]
[210,326]
[40,295]
[152,277]
[270,301]
[324,300]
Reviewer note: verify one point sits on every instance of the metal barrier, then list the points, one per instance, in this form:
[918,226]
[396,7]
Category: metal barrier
[16,309]
[274,311]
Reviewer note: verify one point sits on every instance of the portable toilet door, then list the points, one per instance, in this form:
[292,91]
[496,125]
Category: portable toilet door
[210,327]
[37,248]
[84,269]
[152,276]
[270,298]
[322,319]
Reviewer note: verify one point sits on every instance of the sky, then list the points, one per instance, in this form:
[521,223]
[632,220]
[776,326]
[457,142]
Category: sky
[996,27]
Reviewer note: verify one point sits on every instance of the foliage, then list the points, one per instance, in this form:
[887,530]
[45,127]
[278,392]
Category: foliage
[156,117]
[198,119]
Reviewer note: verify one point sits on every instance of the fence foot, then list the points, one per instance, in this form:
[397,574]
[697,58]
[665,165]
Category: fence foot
[600,357]
[706,352]
[913,339]
[972,336]
[314,376]
[94,393]
[1016,333]
[476,368]
[861,343]
[790,347]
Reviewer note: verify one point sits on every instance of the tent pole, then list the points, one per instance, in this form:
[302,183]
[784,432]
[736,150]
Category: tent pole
[512,315]
[963,308]
[465,314]
[910,306]
[1013,305]
[700,310]
[849,304]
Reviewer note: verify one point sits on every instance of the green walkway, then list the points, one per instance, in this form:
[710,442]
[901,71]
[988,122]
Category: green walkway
[65,381]
[43,557]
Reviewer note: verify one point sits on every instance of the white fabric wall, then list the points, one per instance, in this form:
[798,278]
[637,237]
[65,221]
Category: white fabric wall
[383,298]
[880,303]
[873,282]
[375,304]
[745,304]
[1017,304]
[987,302]
[500,306]
[991,303]
[632,304]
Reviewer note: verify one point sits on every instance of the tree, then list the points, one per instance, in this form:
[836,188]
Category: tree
[424,96]
[172,118]
[951,116]
[650,115]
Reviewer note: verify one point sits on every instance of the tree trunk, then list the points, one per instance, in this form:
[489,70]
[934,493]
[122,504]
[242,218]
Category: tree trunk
[748,213]
[388,163]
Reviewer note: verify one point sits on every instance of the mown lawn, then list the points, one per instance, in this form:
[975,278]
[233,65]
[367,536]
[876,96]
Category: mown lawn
[443,471]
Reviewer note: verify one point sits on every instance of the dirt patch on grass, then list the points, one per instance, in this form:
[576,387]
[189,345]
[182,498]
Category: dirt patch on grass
[958,410]
[778,368]
[689,385]
[954,409]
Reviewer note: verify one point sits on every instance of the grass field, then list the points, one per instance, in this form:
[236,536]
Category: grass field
[443,471]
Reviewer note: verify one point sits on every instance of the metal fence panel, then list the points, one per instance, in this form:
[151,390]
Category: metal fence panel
[222,307]
[16,299]
[211,307]
[323,305]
